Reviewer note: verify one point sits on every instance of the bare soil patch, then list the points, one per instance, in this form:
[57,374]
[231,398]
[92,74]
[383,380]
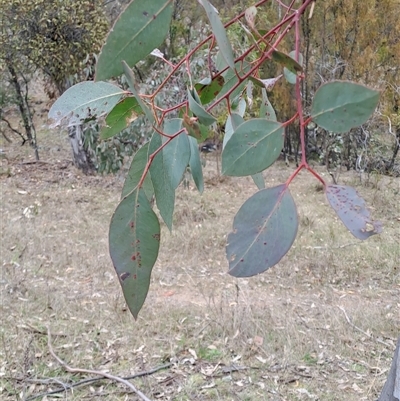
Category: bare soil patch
[321,325]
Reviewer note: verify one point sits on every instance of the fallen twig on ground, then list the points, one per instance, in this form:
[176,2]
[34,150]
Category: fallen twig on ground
[123,380]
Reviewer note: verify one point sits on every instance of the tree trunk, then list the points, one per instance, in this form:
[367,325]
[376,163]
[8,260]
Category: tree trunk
[391,389]
[80,158]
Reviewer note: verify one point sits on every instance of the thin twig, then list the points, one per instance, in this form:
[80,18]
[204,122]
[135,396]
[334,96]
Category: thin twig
[361,330]
[92,372]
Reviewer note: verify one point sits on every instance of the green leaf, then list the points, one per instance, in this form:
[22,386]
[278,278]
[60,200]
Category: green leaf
[220,34]
[351,209]
[136,171]
[266,109]
[208,89]
[258,180]
[231,79]
[264,229]
[120,117]
[285,60]
[86,100]
[290,77]
[134,241]
[177,153]
[232,123]
[195,164]
[130,77]
[140,28]
[204,117]
[162,181]
[339,106]
[253,147]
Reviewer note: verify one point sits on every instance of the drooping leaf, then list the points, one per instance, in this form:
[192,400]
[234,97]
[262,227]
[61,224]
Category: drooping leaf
[339,106]
[135,173]
[266,109]
[130,77]
[231,79]
[264,229]
[194,129]
[83,101]
[139,29]
[162,181]
[351,209]
[253,147]
[177,153]
[208,88]
[290,77]
[204,116]
[287,61]
[120,117]
[232,123]
[258,180]
[134,241]
[219,33]
[195,165]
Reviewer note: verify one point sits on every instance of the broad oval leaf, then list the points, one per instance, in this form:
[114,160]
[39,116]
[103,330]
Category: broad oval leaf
[264,230]
[351,209]
[290,77]
[134,241]
[160,173]
[120,117]
[219,33]
[339,106]
[177,153]
[135,173]
[83,101]
[253,147]
[204,117]
[195,164]
[139,29]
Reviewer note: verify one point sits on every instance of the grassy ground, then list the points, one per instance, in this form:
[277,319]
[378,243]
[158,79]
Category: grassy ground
[321,325]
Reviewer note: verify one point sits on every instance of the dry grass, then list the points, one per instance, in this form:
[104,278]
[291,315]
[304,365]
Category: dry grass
[287,327]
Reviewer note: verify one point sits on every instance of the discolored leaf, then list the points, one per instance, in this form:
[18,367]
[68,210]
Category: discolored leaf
[134,241]
[177,153]
[140,28]
[285,60]
[351,209]
[290,76]
[160,173]
[339,106]
[135,173]
[208,88]
[86,100]
[268,84]
[195,164]
[250,15]
[203,116]
[231,79]
[253,147]
[120,117]
[194,129]
[266,109]
[130,77]
[264,230]
[219,33]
